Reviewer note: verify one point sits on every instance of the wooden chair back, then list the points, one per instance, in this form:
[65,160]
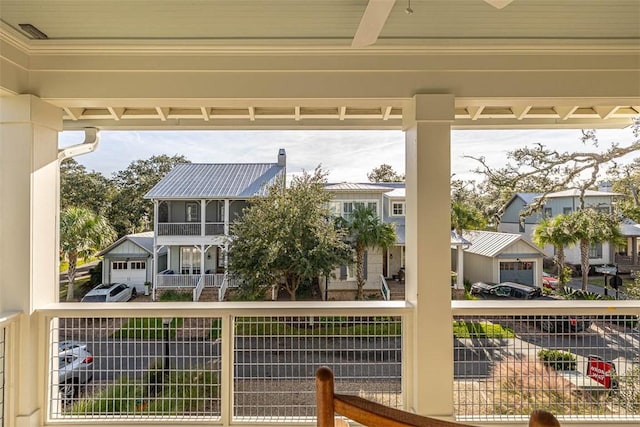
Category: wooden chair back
[373,414]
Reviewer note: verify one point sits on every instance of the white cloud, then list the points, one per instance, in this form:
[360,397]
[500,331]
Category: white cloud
[347,155]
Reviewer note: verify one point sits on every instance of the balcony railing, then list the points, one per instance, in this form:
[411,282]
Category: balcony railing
[239,363]
[8,323]
[190,229]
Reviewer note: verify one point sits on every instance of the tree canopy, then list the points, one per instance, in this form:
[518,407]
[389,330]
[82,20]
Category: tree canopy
[79,187]
[130,212]
[82,234]
[384,173]
[287,237]
[366,230]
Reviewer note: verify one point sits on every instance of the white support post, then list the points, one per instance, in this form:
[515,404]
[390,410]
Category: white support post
[203,218]
[154,267]
[460,267]
[427,124]
[29,222]
[226,217]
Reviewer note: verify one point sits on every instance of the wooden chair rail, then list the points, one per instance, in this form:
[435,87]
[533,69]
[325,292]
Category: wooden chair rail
[373,414]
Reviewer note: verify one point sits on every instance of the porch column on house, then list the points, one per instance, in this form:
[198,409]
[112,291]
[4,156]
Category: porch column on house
[29,190]
[203,218]
[154,267]
[460,267]
[427,125]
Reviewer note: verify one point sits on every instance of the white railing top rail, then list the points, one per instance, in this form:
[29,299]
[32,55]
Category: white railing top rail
[197,291]
[577,307]
[7,318]
[384,288]
[208,309]
[223,287]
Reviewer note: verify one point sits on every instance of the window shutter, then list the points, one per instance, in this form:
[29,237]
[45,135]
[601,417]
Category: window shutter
[365,265]
[343,272]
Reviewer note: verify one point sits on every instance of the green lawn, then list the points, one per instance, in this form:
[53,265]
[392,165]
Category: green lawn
[481,330]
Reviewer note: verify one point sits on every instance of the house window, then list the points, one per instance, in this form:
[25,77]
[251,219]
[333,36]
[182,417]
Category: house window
[191,213]
[334,208]
[595,251]
[138,265]
[548,213]
[119,265]
[347,209]
[567,211]
[603,209]
[397,208]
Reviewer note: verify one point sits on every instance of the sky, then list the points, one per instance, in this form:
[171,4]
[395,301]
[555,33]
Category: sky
[347,155]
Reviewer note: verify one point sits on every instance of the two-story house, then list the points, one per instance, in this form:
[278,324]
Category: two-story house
[561,202]
[388,201]
[194,207]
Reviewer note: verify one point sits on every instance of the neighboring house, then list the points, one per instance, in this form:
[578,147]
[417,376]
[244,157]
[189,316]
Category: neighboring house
[495,257]
[129,260]
[388,201]
[194,206]
[561,202]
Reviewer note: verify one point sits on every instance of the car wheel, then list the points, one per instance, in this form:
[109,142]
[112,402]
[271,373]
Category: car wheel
[548,325]
[134,293]
[69,390]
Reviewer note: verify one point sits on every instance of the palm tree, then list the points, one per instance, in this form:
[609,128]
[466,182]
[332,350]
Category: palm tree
[365,230]
[591,226]
[82,234]
[558,232]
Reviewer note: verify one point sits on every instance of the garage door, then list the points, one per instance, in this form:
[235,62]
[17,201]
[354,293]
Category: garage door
[519,272]
[129,272]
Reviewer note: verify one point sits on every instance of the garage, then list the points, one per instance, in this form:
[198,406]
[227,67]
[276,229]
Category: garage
[494,257]
[517,271]
[129,272]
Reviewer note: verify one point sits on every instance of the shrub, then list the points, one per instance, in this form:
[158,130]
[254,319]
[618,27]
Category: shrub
[558,359]
[171,295]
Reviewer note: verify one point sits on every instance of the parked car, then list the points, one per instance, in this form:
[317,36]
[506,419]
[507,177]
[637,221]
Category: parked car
[113,292]
[511,290]
[550,281]
[74,369]
[505,290]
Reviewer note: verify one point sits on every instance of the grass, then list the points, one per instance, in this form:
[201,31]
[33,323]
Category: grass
[187,392]
[481,330]
[173,295]
[81,287]
[258,326]
[147,328]
[64,265]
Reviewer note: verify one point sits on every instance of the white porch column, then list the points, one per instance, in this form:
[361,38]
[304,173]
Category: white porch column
[29,212]
[427,126]
[460,267]
[154,267]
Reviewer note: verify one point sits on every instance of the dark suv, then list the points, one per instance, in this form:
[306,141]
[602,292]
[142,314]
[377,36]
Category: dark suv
[505,290]
[511,290]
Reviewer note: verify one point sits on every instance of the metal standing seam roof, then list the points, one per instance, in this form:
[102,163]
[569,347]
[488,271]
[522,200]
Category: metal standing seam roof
[491,243]
[216,180]
[355,186]
[144,240]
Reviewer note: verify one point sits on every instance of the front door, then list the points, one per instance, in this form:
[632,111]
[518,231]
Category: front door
[189,260]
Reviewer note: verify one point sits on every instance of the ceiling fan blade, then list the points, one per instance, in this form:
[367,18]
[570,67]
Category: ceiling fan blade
[499,4]
[373,19]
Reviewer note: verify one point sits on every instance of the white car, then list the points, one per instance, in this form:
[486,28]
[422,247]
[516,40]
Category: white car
[75,368]
[114,292]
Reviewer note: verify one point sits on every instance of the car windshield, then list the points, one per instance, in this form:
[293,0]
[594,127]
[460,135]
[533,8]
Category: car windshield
[94,298]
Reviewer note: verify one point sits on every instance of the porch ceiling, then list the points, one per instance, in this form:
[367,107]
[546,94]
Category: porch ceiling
[235,64]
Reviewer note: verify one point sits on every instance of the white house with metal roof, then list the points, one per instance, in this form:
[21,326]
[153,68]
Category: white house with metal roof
[495,257]
[129,260]
[194,207]
[561,202]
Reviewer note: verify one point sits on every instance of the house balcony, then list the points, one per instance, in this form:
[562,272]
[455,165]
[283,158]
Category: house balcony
[253,364]
[190,229]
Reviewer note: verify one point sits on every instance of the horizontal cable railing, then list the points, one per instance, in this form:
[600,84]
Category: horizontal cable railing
[190,363]
[178,229]
[578,360]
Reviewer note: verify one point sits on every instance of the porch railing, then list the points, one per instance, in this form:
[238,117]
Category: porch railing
[177,281]
[8,322]
[251,363]
[214,228]
[384,289]
[197,291]
[179,229]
